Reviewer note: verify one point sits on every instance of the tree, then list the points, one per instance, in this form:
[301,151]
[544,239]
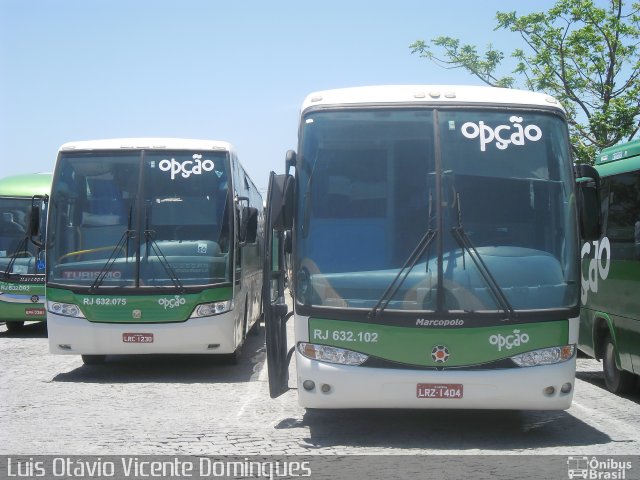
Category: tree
[585,55]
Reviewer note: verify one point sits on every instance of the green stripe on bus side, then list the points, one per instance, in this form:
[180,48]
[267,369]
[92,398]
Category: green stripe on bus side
[169,307]
[419,346]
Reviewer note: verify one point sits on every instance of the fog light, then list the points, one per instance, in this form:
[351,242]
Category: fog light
[566,387]
[308,385]
[549,391]
[325,388]
[64,347]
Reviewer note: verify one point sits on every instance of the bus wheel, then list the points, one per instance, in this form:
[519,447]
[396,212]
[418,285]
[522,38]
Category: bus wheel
[255,329]
[232,358]
[93,359]
[616,380]
[13,327]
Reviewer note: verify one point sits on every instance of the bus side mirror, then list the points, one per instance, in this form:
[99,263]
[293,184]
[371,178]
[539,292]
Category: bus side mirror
[281,205]
[33,225]
[589,212]
[290,160]
[249,225]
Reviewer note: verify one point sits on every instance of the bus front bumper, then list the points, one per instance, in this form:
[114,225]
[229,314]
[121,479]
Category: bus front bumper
[340,386]
[78,336]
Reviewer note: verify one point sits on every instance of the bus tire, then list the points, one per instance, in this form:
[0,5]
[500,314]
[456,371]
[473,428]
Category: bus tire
[255,329]
[616,380]
[13,327]
[93,359]
[232,358]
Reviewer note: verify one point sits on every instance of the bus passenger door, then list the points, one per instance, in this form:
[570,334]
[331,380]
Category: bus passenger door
[277,221]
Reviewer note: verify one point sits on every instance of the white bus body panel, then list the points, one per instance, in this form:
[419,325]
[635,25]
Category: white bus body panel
[92,338]
[361,387]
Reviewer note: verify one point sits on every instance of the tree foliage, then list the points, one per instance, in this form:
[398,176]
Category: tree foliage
[585,55]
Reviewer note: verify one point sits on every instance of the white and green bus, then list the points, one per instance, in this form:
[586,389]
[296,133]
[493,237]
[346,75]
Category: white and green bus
[610,317]
[154,246]
[434,241]
[22,259]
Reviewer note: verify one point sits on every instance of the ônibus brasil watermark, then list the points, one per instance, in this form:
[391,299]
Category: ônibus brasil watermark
[595,468]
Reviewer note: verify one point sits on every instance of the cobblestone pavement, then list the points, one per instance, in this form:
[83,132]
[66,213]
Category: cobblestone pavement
[52,404]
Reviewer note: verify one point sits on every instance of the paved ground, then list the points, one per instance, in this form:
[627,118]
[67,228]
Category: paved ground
[197,406]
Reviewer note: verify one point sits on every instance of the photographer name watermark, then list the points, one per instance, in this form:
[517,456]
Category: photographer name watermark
[140,467]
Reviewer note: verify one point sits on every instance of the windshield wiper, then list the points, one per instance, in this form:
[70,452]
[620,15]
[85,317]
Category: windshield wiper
[22,247]
[402,274]
[123,244]
[409,263]
[171,273]
[149,240]
[465,242]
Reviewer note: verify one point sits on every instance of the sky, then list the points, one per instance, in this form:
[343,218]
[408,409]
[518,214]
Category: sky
[229,70]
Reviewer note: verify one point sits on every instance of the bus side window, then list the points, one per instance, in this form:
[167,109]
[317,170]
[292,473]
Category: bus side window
[9,224]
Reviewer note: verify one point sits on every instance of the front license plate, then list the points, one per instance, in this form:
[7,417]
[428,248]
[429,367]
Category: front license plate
[137,337]
[439,390]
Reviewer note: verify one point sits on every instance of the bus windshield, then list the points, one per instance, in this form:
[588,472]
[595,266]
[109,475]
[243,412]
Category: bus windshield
[18,255]
[140,219]
[475,204]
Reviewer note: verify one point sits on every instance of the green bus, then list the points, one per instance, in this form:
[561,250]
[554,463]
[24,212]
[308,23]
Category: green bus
[22,258]
[154,246]
[433,233]
[610,316]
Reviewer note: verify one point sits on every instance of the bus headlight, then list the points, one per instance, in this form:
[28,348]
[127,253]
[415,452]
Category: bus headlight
[66,309]
[545,356]
[329,354]
[210,309]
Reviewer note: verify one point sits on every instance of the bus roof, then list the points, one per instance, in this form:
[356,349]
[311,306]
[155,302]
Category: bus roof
[26,185]
[619,159]
[429,94]
[618,152]
[147,143]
